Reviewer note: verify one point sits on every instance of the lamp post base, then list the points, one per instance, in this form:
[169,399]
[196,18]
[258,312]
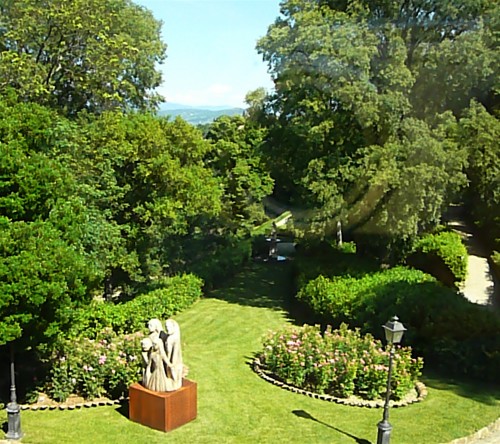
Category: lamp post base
[13,421]
[384,432]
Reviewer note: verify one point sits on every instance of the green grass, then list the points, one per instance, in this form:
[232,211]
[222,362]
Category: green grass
[221,334]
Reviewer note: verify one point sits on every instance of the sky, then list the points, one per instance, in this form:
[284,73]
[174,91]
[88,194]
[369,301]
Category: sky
[211,55]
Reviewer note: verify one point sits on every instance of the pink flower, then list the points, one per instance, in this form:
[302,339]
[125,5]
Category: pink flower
[102,359]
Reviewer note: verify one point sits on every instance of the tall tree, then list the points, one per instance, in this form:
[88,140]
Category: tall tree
[354,124]
[82,54]
[236,160]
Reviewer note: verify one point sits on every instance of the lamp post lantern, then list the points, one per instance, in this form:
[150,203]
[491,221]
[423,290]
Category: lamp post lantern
[13,409]
[394,331]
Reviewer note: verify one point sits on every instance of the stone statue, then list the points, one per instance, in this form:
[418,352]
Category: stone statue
[162,356]
[174,354]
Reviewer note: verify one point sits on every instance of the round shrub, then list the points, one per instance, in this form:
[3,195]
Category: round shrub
[446,249]
[341,363]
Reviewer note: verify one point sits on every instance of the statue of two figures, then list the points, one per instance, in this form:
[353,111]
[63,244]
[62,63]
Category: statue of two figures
[162,355]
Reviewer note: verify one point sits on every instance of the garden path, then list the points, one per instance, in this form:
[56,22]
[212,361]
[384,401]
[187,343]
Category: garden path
[479,286]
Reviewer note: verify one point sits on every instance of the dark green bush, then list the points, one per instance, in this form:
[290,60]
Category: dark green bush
[175,294]
[449,331]
[448,249]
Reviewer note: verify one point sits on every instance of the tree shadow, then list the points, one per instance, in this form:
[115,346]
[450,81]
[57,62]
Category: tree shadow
[306,415]
[266,285]
[488,394]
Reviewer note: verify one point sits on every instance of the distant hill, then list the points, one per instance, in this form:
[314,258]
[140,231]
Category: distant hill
[197,116]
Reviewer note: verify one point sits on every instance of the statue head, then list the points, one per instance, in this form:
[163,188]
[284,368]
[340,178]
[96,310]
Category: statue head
[154,325]
[172,327]
[146,344]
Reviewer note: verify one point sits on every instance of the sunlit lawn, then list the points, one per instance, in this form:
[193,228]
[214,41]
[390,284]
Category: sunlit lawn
[220,336]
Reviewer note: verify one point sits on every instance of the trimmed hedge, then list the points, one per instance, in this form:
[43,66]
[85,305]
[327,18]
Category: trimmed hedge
[449,331]
[441,249]
[175,294]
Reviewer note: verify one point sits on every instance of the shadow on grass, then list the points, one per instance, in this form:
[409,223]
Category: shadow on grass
[123,409]
[266,285]
[305,415]
[485,393]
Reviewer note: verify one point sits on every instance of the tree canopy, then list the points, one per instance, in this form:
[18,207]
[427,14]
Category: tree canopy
[362,124]
[82,54]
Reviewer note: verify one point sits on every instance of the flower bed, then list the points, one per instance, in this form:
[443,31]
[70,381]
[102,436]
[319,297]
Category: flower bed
[95,368]
[340,363]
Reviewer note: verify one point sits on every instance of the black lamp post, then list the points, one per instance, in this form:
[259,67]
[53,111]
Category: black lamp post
[13,409]
[394,331]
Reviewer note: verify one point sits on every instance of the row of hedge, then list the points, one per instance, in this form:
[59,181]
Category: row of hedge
[449,331]
[171,295]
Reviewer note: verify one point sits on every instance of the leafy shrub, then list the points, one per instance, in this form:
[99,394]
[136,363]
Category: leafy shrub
[324,259]
[339,298]
[495,263]
[105,366]
[447,330]
[448,248]
[173,295]
[341,363]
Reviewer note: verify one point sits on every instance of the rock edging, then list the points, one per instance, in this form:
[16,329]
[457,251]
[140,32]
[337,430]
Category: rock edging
[483,433]
[420,389]
[80,405]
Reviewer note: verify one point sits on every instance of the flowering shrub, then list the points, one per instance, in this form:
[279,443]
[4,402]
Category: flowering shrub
[91,368]
[340,363]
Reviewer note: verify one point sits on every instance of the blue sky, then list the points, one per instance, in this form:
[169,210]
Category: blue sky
[211,56]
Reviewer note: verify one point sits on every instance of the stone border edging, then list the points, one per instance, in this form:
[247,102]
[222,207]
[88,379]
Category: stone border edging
[485,432]
[419,387]
[62,406]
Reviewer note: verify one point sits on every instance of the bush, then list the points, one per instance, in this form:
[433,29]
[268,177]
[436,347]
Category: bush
[448,249]
[340,363]
[447,330]
[172,295]
[91,368]
[340,298]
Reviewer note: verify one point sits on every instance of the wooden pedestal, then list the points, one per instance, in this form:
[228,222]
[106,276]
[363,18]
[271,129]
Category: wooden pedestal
[163,411]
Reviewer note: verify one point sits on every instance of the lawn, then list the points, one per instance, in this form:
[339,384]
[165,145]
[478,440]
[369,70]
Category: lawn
[221,333]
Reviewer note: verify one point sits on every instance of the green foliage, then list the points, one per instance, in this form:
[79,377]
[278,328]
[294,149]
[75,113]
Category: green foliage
[236,160]
[479,132]
[341,297]
[94,55]
[449,248]
[170,296]
[362,125]
[441,323]
[91,368]
[222,260]
[341,363]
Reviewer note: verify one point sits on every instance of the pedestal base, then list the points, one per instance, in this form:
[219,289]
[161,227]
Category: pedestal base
[163,411]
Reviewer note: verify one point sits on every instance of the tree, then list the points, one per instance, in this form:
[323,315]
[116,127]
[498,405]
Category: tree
[478,133]
[83,54]
[354,131]
[236,160]
[148,177]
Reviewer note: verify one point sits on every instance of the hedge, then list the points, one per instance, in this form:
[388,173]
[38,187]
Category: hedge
[449,331]
[441,249]
[175,294]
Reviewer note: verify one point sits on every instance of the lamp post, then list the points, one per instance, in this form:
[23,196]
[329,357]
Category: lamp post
[13,409]
[394,331]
